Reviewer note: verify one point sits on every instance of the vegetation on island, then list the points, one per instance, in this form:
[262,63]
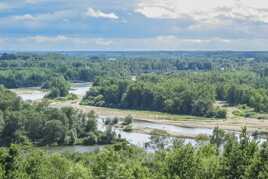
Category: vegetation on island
[58,87]
[156,92]
[192,93]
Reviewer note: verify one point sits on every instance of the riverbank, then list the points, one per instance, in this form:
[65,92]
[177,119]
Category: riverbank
[231,124]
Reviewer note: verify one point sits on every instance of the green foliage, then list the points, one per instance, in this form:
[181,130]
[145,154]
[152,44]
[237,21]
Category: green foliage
[202,137]
[128,120]
[22,123]
[256,98]
[238,158]
[181,163]
[173,94]
[8,100]
[237,155]
[128,128]
[182,83]
[218,137]
[113,121]
[58,86]
[28,69]
[20,162]
[236,77]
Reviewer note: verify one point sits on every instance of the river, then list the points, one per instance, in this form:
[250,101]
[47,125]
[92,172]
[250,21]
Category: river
[136,138]
[36,93]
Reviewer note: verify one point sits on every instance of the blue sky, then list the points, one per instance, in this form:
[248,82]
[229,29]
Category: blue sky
[133,25]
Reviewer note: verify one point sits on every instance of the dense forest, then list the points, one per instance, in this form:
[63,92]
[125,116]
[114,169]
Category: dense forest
[185,83]
[192,93]
[235,77]
[23,123]
[239,158]
[33,69]
[159,93]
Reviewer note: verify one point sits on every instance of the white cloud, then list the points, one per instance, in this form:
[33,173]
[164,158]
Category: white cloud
[208,11]
[99,14]
[26,17]
[38,20]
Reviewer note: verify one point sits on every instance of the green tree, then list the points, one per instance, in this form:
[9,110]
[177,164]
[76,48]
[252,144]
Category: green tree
[54,132]
[59,87]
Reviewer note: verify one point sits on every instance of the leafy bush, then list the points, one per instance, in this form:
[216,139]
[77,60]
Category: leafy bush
[128,120]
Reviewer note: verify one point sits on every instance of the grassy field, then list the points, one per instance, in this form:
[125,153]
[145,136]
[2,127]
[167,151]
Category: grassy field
[135,113]
[152,114]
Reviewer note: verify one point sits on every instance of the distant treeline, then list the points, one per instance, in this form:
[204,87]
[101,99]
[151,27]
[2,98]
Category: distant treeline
[33,69]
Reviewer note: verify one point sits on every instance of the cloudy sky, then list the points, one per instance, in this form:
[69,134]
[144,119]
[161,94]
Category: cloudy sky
[133,25]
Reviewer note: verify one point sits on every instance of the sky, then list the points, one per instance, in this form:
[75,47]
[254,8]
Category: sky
[72,25]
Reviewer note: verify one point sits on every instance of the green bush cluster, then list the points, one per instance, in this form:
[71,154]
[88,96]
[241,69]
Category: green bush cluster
[21,122]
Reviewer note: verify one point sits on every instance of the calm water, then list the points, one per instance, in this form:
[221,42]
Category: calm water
[30,94]
[35,94]
[80,89]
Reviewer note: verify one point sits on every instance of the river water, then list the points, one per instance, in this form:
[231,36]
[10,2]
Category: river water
[36,93]
[174,129]
[136,138]
[30,94]
[80,89]
[141,139]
